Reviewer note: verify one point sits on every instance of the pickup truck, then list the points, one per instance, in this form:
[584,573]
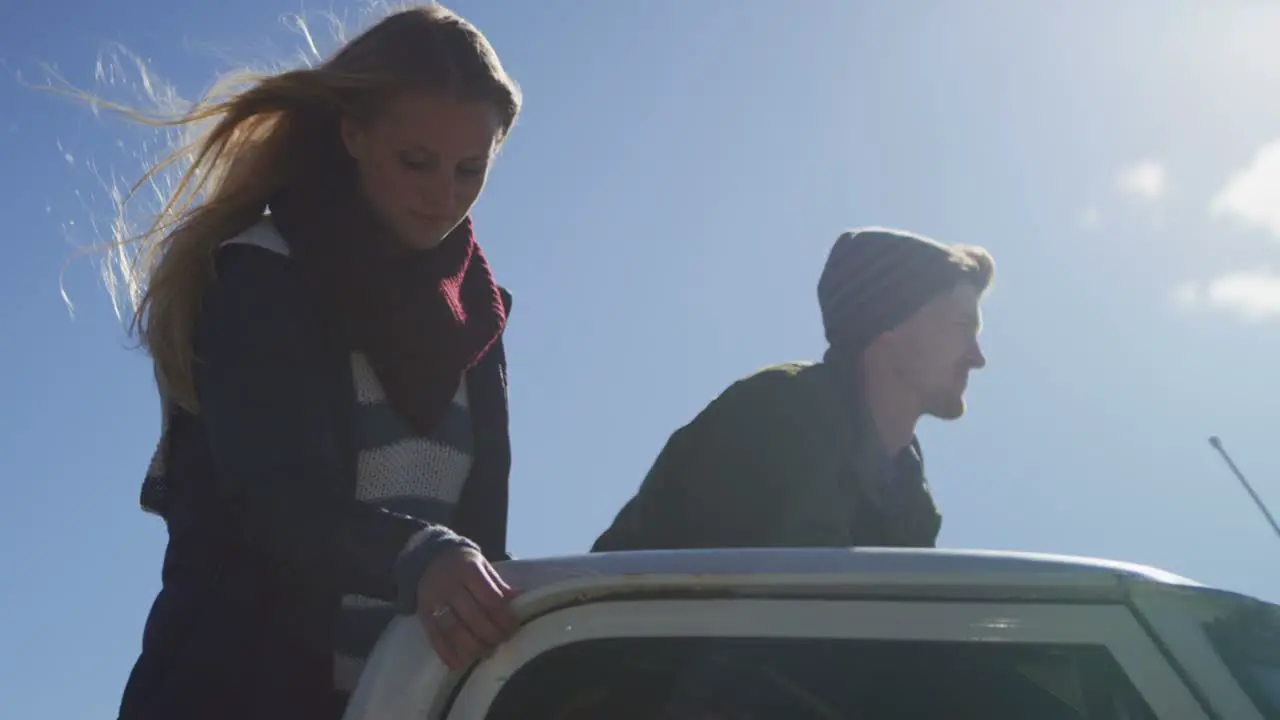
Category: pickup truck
[861,634]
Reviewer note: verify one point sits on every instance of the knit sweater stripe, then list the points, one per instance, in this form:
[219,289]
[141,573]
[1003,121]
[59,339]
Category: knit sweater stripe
[405,473]
[379,425]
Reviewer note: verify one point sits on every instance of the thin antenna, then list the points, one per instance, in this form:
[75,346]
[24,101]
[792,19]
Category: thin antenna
[1216,444]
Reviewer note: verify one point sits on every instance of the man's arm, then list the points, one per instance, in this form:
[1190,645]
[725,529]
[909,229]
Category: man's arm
[754,469]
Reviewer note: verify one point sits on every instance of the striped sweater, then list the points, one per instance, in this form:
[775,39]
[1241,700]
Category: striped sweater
[404,473]
[395,469]
[262,633]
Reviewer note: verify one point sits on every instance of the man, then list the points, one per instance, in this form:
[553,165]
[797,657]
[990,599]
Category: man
[825,454]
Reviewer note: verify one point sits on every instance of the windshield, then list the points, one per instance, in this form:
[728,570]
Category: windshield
[758,678]
[1247,637]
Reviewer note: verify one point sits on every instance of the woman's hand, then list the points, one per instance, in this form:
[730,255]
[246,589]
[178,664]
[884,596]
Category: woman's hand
[465,607]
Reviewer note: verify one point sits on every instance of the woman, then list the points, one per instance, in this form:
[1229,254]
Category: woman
[327,340]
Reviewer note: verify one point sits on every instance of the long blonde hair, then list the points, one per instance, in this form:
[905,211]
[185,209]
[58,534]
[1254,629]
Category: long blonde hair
[250,147]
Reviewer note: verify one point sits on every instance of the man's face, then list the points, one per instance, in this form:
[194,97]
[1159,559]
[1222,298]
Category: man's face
[935,349]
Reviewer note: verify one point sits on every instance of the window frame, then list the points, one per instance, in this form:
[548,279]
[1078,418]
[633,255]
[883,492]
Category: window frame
[1178,619]
[1111,626]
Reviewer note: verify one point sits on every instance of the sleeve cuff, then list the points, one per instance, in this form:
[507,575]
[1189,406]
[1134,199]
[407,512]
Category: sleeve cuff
[416,556]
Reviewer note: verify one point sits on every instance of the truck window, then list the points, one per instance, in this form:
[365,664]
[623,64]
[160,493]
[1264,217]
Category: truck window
[1248,641]
[798,679]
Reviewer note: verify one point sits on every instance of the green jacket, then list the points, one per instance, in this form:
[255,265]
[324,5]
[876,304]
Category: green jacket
[782,458]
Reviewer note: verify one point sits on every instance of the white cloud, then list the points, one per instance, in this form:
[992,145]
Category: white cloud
[1253,295]
[1251,197]
[1146,180]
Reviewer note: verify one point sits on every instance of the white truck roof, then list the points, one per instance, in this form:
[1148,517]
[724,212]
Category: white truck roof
[902,573]
[907,594]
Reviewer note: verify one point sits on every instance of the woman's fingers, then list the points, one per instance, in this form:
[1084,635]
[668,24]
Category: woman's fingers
[494,596]
[466,608]
[467,647]
[450,633]
[475,618]
[441,642]
[492,573]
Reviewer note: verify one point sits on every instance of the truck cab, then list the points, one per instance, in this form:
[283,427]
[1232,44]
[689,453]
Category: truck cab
[866,634]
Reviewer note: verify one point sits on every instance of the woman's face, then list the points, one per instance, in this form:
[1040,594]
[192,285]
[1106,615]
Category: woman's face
[423,162]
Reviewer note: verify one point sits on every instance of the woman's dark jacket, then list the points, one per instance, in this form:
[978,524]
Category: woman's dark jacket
[265,534]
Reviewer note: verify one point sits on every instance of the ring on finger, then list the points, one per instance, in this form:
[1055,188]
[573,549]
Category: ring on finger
[441,612]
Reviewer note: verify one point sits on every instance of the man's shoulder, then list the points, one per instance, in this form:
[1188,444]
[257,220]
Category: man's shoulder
[785,384]
[787,372]
[781,378]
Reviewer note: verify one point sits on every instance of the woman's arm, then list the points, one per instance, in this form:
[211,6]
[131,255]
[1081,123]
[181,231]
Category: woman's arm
[277,443]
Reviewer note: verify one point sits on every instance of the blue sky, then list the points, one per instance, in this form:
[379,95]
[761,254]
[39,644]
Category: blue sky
[661,214]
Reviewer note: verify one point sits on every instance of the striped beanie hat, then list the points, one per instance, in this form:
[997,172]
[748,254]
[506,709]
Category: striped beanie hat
[877,278]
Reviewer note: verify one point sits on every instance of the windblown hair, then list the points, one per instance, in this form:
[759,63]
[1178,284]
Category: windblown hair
[259,128]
